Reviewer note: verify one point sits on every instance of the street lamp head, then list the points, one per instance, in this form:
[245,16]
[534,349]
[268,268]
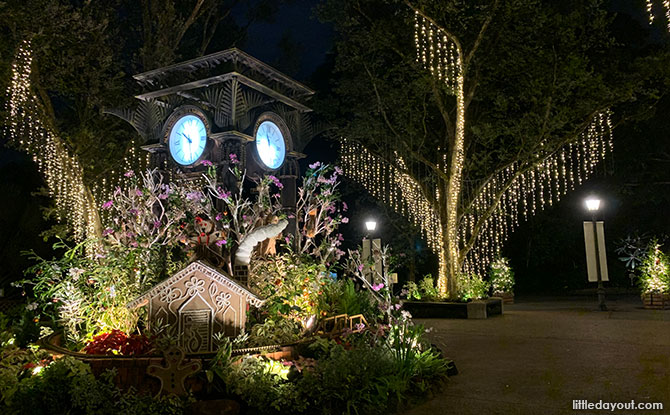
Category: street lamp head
[592,204]
[370,225]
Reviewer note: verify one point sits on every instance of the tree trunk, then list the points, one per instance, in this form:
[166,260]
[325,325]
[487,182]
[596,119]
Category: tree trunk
[449,249]
[449,266]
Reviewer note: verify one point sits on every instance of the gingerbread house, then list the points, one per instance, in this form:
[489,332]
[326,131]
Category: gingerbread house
[200,301]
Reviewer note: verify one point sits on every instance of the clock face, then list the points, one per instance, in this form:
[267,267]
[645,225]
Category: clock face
[188,138]
[270,145]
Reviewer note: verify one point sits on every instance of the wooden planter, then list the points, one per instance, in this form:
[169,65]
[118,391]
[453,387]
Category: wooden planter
[507,297]
[443,309]
[656,301]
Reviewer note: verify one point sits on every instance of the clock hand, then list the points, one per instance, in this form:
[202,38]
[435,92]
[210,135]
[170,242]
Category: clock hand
[189,140]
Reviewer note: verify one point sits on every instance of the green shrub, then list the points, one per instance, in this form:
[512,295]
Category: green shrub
[359,380]
[262,383]
[428,289]
[274,331]
[291,285]
[411,291]
[341,297]
[472,287]
[425,290]
[67,386]
[370,372]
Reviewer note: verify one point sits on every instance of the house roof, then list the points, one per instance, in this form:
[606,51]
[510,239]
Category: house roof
[208,270]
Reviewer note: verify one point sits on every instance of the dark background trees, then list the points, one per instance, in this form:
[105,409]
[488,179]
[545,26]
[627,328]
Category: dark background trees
[87,51]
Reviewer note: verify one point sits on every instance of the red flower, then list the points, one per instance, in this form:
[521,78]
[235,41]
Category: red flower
[117,341]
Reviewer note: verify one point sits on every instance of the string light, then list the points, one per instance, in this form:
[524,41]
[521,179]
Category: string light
[61,170]
[666,9]
[76,204]
[520,185]
[469,242]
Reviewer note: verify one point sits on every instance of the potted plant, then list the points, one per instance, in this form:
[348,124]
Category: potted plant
[502,280]
[471,299]
[632,250]
[655,278]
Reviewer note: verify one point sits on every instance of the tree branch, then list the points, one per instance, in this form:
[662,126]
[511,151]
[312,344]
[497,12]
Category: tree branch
[195,13]
[480,36]
[522,170]
[414,154]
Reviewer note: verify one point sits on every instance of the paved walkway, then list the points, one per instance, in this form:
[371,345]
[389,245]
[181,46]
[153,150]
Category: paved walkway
[541,355]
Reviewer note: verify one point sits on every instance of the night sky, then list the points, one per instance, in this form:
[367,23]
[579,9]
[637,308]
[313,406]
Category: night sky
[298,21]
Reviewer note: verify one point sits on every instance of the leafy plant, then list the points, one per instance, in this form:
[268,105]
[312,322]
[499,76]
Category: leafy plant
[67,386]
[414,358]
[425,290]
[86,294]
[428,289]
[290,285]
[271,331]
[360,380]
[632,250]
[502,276]
[262,383]
[342,297]
[411,291]
[17,364]
[472,287]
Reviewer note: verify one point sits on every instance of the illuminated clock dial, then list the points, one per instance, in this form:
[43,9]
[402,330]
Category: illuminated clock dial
[270,145]
[188,138]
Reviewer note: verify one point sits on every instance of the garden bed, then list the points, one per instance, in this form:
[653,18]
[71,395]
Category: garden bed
[131,371]
[477,309]
[507,297]
[656,301]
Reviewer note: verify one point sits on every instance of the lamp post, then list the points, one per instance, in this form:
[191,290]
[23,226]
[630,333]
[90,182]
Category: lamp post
[593,205]
[371,253]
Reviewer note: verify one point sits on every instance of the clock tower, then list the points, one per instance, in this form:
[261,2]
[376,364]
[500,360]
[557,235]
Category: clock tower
[224,107]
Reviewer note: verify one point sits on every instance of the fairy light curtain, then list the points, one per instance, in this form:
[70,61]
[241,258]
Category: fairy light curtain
[518,191]
[663,5]
[76,203]
[495,207]
[61,170]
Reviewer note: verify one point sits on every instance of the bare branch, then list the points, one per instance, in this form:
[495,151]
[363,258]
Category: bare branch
[414,154]
[480,36]
[195,13]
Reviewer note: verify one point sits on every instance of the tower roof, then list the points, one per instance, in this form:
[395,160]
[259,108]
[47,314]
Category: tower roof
[220,67]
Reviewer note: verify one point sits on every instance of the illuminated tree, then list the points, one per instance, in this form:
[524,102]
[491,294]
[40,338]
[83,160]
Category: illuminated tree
[66,62]
[467,132]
